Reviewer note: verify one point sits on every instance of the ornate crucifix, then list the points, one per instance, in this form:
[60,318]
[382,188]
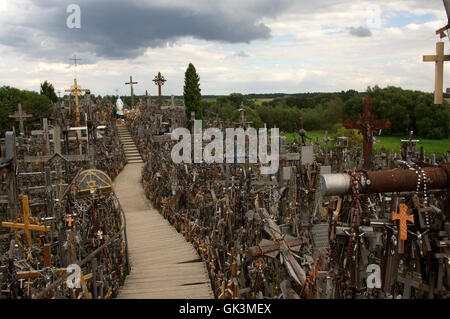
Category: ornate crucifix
[243,123]
[132,89]
[366,124]
[159,81]
[439,59]
[20,116]
[76,91]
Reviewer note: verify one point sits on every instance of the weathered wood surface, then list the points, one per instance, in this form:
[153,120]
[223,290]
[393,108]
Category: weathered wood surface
[131,151]
[163,264]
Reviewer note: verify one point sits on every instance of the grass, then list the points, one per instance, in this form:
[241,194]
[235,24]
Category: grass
[438,147]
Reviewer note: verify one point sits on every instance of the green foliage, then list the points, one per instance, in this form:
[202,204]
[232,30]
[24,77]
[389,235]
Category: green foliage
[354,138]
[192,93]
[32,103]
[48,90]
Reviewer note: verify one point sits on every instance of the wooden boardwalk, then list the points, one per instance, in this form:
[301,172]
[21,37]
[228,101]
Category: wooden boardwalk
[163,264]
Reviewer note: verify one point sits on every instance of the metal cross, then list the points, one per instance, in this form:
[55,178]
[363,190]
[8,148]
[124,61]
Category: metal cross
[20,116]
[159,81]
[132,89]
[367,124]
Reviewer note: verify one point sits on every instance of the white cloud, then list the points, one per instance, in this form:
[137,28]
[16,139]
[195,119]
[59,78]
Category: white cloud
[311,50]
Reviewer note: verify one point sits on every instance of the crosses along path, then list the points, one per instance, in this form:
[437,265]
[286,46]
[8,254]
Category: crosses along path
[163,264]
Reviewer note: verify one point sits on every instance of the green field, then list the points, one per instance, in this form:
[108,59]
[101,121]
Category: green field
[438,147]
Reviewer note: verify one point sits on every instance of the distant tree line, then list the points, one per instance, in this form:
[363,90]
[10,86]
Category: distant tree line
[407,110]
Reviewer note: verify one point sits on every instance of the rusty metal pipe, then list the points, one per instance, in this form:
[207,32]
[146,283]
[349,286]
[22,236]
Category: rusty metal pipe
[389,181]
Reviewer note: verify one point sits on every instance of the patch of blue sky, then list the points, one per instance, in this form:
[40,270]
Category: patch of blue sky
[402,18]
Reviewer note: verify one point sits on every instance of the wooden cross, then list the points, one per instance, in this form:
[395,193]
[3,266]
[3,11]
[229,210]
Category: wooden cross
[76,91]
[45,133]
[367,125]
[159,81]
[408,281]
[269,248]
[69,221]
[20,116]
[242,122]
[439,59]
[403,218]
[26,225]
[132,89]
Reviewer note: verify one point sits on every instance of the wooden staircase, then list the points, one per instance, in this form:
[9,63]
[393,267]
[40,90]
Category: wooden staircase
[131,150]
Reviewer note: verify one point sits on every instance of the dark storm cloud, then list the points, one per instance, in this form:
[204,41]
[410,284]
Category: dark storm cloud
[360,32]
[124,29]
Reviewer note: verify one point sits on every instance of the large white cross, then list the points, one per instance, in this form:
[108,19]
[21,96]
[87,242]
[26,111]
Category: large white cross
[439,59]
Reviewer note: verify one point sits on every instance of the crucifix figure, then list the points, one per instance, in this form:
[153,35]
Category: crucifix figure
[132,89]
[20,116]
[439,59]
[76,91]
[366,124]
[243,123]
[159,81]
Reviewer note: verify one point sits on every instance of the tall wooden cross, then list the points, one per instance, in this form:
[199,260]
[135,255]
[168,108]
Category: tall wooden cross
[20,116]
[159,81]
[26,225]
[367,125]
[243,123]
[132,89]
[45,132]
[439,59]
[76,91]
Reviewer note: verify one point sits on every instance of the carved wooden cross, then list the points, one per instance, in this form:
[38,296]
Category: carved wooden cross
[26,225]
[132,89]
[76,91]
[20,116]
[439,59]
[408,281]
[403,218]
[45,132]
[367,124]
[159,81]
[243,123]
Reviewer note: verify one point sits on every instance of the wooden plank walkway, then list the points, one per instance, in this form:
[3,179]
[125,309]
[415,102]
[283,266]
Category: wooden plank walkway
[163,264]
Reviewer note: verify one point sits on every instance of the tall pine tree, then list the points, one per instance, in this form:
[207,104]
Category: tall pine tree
[192,95]
[48,90]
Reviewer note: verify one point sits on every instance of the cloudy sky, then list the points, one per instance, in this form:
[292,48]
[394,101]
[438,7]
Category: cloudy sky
[246,46]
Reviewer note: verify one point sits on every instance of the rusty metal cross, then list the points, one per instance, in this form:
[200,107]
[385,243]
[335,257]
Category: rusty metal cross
[367,124]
